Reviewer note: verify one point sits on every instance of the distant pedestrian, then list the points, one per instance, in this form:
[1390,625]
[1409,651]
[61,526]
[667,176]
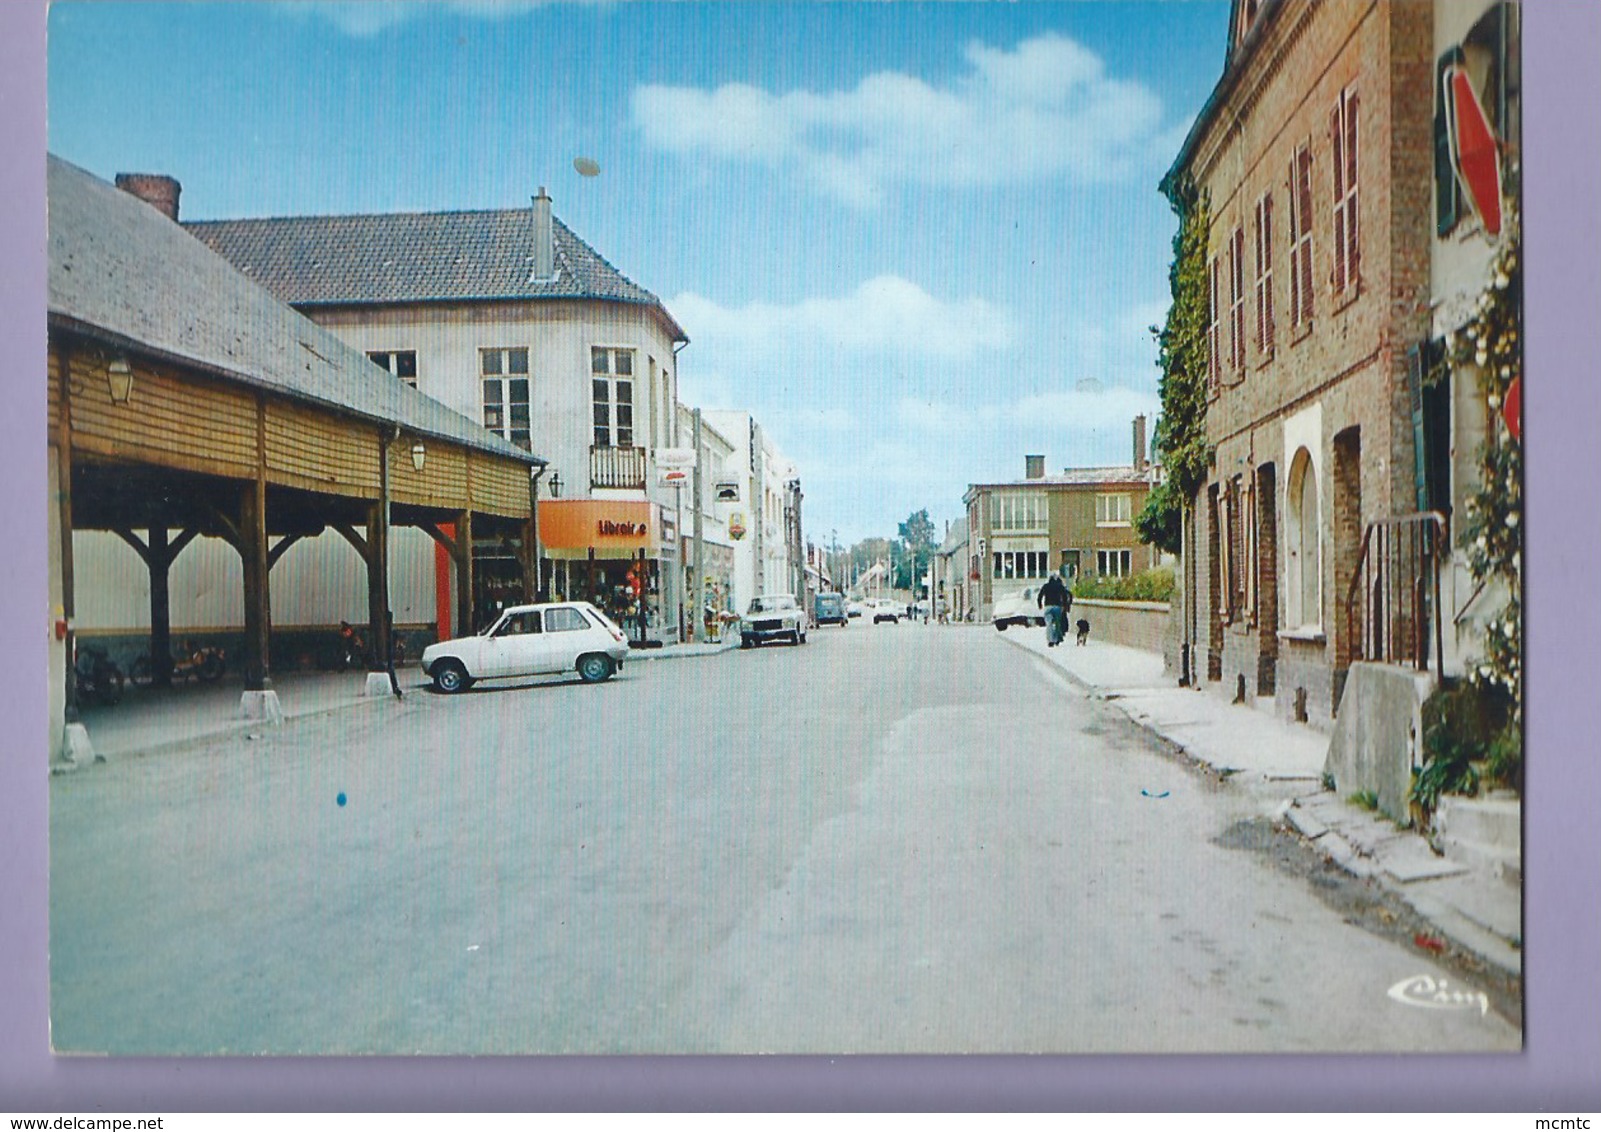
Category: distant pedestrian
[1056,600]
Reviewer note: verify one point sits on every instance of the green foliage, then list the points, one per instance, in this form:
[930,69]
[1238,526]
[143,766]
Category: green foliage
[1180,435]
[1160,522]
[1366,799]
[1462,727]
[1490,530]
[917,545]
[1149,585]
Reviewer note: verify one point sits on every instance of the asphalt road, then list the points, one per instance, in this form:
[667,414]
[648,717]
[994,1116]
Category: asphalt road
[896,838]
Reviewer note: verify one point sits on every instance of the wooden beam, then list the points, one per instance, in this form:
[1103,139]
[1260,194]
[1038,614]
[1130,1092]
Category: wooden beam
[280,548]
[133,540]
[64,505]
[363,547]
[258,599]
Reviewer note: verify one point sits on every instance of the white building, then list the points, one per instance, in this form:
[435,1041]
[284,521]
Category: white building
[765,528]
[508,317]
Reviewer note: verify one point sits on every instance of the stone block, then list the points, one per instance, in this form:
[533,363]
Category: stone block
[262,707]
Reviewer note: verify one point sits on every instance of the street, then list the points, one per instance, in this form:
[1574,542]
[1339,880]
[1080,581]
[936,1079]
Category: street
[893,839]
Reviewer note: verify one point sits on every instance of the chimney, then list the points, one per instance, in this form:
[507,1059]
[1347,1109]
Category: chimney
[1034,467]
[158,191]
[1139,443]
[544,238]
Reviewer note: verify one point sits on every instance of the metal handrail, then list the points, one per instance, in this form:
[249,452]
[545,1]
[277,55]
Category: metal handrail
[1398,572]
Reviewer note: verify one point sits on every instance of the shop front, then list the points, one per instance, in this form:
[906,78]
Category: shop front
[608,552]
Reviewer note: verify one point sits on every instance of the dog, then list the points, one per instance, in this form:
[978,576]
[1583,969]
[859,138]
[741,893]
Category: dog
[1083,627]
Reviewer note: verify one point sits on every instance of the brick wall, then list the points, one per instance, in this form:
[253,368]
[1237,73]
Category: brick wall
[1349,360]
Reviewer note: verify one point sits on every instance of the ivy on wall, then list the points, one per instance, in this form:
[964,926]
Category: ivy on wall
[1490,346]
[1180,436]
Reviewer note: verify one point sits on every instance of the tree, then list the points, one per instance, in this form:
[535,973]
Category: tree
[1180,435]
[917,535]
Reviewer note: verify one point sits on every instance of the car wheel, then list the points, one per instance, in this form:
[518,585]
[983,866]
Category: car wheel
[593,668]
[746,642]
[450,676]
[800,636]
[1001,625]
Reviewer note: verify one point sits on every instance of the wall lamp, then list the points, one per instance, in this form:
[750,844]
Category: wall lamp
[555,485]
[419,454]
[119,375]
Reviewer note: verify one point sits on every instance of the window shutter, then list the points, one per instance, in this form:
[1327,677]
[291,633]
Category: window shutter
[1353,190]
[1305,190]
[1337,148]
[1267,270]
[1447,194]
[1211,324]
[1295,231]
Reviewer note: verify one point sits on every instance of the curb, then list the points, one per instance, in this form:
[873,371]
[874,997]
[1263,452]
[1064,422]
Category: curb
[1334,836]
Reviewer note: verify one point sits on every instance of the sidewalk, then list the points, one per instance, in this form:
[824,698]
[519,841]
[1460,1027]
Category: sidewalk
[163,719]
[1477,910]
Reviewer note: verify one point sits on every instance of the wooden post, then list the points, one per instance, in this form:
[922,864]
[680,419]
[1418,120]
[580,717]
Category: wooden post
[465,621]
[64,502]
[158,562]
[375,584]
[258,604]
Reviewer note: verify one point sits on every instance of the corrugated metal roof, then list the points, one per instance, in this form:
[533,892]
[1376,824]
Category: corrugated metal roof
[122,270]
[420,257]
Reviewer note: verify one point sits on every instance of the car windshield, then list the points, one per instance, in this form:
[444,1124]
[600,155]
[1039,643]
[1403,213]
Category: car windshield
[772,604]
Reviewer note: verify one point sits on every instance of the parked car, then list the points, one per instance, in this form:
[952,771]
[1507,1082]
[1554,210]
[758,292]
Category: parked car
[1018,609]
[854,608]
[531,640]
[772,617]
[829,609]
[887,609]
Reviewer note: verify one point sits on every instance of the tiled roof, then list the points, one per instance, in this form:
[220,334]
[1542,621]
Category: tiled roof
[1080,477]
[416,257]
[123,272]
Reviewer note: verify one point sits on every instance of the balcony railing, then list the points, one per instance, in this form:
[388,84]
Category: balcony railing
[616,467]
[1393,605]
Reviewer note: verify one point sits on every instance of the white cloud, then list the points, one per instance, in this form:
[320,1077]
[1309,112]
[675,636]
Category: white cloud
[367,18]
[1044,109]
[884,315]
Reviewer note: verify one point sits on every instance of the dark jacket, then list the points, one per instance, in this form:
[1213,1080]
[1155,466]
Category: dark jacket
[1053,592]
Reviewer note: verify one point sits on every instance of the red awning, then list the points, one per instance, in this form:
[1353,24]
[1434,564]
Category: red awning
[1473,148]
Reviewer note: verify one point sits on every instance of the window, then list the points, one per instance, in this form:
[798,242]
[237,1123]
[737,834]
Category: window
[1212,291]
[1264,275]
[1114,563]
[611,374]
[564,619]
[1303,578]
[1301,237]
[401,363]
[1237,300]
[1018,511]
[1343,136]
[1113,510]
[1236,551]
[505,377]
[1020,564]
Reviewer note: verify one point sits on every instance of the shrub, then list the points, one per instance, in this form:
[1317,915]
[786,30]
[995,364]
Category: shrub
[1467,729]
[1148,585]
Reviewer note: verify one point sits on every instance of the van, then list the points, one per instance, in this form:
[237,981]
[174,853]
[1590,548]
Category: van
[829,609]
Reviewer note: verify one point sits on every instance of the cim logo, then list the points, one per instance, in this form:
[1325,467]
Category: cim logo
[614,529]
[1438,994]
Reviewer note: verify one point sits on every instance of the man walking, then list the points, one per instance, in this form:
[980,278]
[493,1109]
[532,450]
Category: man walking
[1056,600]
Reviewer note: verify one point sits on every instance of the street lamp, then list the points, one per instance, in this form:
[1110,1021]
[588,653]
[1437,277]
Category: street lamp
[419,454]
[119,375]
[555,485]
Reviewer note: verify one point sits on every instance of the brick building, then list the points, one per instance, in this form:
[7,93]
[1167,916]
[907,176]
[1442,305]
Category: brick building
[1081,521]
[1314,153]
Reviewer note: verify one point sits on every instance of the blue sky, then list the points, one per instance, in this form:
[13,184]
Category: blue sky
[917,240]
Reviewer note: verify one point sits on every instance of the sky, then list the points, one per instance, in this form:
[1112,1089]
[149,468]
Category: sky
[917,241]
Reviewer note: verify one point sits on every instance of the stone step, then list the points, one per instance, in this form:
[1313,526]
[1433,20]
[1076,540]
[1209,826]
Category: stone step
[1487,860]
[1496,823]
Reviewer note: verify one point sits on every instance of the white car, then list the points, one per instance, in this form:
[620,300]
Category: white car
[887,609]
[1018,609]
[531,640]
[772,617]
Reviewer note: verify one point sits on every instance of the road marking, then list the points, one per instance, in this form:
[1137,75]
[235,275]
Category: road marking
[1437,994]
